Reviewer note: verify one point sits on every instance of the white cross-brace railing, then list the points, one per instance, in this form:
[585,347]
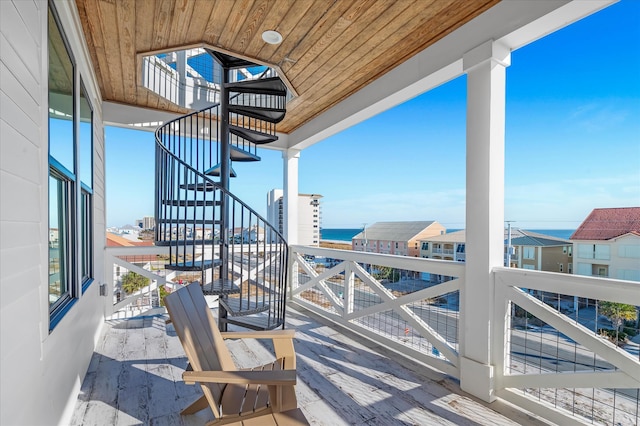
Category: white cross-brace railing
[512,286]
[344,311]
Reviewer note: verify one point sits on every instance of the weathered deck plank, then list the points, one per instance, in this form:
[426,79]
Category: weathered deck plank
[343,379]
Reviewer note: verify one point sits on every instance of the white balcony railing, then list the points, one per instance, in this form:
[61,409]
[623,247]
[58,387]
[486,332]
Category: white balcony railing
[549,354]
[146,261]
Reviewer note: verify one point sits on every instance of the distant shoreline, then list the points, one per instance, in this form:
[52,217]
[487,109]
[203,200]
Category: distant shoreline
[335,244]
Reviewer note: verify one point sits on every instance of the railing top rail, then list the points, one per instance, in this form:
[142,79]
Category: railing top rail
[418,264]
[134,250]
[574,285]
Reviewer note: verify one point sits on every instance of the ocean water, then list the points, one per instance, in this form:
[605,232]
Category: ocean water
[558,233]
[339,234]
[346,234]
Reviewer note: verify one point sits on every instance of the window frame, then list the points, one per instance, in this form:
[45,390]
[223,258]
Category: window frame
[68,288]
[86,219]
[529,252]
[75,214]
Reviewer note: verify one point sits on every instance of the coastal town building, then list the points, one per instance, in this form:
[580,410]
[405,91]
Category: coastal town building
[449,246]
[607,244]
[399,238]
[540,252]
[309,215]
[531,250]
[147,222]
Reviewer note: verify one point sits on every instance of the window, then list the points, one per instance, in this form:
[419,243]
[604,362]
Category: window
[529,252]
[460,248]
[584,269]
[594,251]
[585,251]
[629,274]
[70,177]
[570,268]
[561,267]
[629,251]
[61,174]
[86,178]
[602,252]
[425,246]
[59,239]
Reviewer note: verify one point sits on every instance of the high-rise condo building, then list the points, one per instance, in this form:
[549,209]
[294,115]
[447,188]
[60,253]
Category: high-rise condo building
[309,215]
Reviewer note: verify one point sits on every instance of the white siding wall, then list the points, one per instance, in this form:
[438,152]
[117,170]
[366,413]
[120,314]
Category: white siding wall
[625,258]
[41,371]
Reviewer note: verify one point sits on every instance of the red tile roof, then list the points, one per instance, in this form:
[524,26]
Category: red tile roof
[114,240]
[605,224]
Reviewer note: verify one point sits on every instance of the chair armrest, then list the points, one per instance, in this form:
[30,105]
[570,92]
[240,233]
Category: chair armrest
[277,377]
[268,334]
[282,343]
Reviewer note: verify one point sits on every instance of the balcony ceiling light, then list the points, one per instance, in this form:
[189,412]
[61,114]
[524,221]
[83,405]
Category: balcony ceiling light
[272,37]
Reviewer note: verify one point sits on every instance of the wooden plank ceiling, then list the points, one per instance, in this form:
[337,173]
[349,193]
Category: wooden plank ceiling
[330,50]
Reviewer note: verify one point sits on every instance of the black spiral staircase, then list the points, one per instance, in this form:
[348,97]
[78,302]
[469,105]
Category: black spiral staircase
[213,237]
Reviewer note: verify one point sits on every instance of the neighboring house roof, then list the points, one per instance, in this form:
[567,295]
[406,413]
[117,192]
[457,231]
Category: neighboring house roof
[394,231]
[606,224]
[453,237]
[520,237]
[114,240]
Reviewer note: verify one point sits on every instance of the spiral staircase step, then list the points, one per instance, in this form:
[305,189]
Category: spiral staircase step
[272,115]
[217,169]
[253,136]
[238,154]
[236,306]
[191,265]
[262,86]
[219,287]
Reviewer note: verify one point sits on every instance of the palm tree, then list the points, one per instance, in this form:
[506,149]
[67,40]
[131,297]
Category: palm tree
[132,282]
[618,313]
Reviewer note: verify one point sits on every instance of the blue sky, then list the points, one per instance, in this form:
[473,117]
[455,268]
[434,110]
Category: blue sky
[572,143]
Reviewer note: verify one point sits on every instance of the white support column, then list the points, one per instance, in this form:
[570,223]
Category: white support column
[181,68]
[485,67]
[290,159]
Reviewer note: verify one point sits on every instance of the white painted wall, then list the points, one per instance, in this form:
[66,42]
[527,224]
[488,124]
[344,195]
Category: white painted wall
[623,262]
[41,372]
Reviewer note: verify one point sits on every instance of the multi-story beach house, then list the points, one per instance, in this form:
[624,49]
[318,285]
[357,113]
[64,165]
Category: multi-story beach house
[213,79]
[607,244]
[449,246]
[309,215]
[399,238]
[540,252]
[531,250]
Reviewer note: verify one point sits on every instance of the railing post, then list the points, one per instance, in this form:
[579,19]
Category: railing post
[349,290]
[485,67]
[290,158]
[225,173]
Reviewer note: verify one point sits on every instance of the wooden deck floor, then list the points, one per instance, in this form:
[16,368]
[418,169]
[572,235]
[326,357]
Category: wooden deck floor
[135,378]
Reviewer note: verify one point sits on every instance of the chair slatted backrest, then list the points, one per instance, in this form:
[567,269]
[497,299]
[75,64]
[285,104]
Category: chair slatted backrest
[200,337]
